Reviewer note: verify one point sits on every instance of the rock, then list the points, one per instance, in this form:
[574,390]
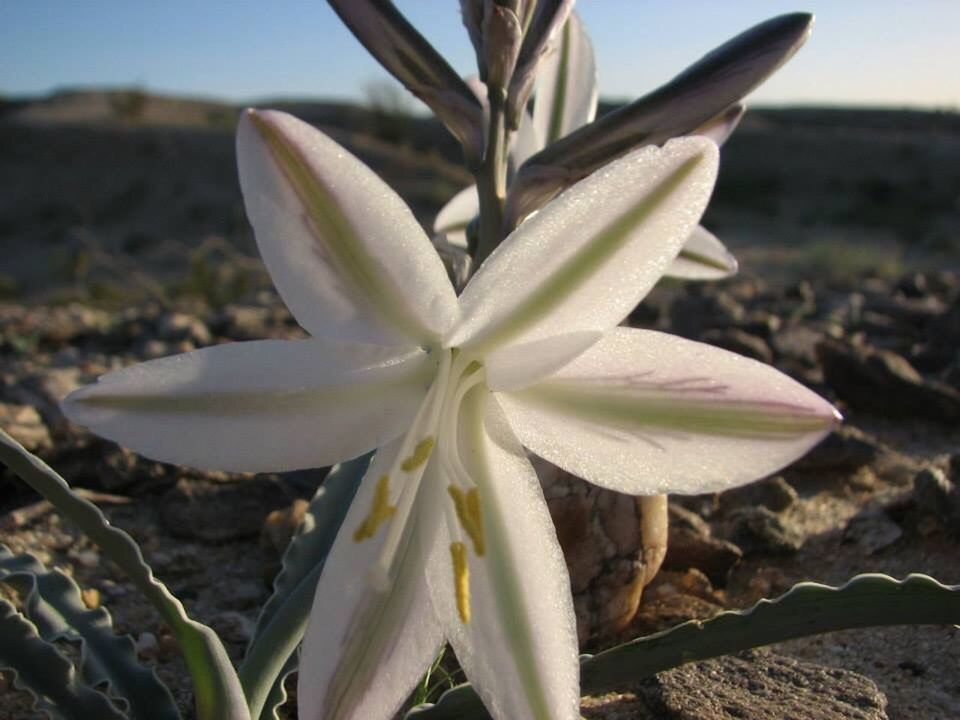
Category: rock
[220,511]
[715,557]
[761,324]
[24,424]
[944,330]
[759,531]
[883,382]
[909,313]
[599,532]
[232,627]
[689,582]
[682,517]
[178,327]
[844,450]
[152,348]
[45,389]
[243,322]
[760,685]
[739,342]
[774,493]
[798,342]
[280,525]
[872,531]
[937,495]
[147,645]
[690,545]
[695,312]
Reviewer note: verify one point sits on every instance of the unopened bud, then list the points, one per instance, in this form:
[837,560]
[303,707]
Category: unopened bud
[502,37]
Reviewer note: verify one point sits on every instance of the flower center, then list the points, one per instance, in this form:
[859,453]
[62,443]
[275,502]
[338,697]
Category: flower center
[432,438]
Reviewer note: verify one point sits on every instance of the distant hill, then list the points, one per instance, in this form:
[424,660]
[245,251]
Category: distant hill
[120,186]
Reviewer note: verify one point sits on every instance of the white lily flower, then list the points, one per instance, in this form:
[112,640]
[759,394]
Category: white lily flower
[566,99]
[449,536]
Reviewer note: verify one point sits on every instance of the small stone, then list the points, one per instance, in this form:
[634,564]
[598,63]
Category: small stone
[241,594]
[178,327]
[147,646]
[935,494]
[694,582]
[714,557]
[196,508]
[798,342]
[696,311]
[767,582]
[774,493]
[761,324]
[872,531]
[844,450]
[87,558]
[152,348]
[25,425]
[759,531]
[233,627]
[883,382]
[90,597]
[280,525]
[244,322]
[916,669]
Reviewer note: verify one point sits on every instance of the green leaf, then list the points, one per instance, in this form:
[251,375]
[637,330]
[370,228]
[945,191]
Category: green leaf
[807,609]
[45,673]
[52,602]
[271,655]
[217,690]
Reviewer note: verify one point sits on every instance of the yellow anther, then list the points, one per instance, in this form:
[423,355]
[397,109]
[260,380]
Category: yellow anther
[467,505]
[461,579]
[380,511]
[421,453]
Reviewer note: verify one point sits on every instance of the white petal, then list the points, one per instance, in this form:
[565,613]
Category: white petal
[703,257]
[517,366]
[519,649]
[268,405]
[365,650]
[566,85]
[588,257]
[648,413]
[458,212]
[345,252]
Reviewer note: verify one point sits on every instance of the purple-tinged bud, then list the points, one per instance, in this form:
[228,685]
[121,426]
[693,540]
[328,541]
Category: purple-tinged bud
[694,97]
[542,24]
[407,55]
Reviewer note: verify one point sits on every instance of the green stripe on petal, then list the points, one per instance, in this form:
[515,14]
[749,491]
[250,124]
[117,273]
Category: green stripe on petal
[647,413]
[337,240]
[630,410]
[579,267]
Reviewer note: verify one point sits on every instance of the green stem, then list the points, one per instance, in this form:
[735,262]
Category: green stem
[492,179]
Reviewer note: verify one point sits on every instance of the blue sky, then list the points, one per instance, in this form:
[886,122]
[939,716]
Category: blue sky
[874,52]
